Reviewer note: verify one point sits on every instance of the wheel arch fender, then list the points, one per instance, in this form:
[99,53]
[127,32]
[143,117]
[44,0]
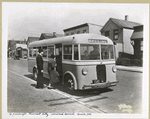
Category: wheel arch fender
[35,72]
[73,77]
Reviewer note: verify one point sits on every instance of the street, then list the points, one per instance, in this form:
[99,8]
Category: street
[22,95]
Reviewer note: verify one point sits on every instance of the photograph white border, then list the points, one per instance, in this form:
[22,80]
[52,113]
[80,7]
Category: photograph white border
[145,91]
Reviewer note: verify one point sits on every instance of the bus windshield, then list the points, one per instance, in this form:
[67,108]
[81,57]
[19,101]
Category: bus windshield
[107,52]
[92,52]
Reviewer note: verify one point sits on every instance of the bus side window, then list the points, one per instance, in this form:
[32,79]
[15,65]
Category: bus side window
[34,52]
[50,51]
[68,52]
[45,52]
[84,52]
[76,52]
[107,52]
[30,52]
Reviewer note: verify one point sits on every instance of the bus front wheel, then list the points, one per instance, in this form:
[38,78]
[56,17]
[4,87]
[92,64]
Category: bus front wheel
[35,74]
[69,83]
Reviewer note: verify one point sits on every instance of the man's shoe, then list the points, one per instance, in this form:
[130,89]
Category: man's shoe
[50,87]
[37,87]
[44,86]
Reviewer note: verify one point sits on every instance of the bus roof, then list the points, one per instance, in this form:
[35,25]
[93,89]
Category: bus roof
[73,39]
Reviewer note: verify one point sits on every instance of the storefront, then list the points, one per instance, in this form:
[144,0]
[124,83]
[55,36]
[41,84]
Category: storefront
[21,51]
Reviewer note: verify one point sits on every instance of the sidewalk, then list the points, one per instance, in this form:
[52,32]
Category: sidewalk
[19,58]
[23,59]
[130,68]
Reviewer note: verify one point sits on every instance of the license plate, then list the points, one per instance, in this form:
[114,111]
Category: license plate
[96,81]
[112,84]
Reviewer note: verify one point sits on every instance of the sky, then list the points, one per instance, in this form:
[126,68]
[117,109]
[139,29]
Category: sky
[31,19]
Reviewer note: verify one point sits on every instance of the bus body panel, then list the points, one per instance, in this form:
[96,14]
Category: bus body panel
[111,76]
[86,79]
[31,64]
[91,75]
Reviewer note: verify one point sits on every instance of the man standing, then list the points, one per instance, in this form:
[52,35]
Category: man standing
[39,62]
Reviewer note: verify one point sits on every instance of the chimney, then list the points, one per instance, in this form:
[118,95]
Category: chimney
[126,17]
[24,41]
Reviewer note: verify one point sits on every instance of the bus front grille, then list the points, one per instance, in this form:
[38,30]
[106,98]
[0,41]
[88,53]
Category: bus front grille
[101,73]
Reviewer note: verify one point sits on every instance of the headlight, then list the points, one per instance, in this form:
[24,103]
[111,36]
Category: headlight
[114,69]
[84,71]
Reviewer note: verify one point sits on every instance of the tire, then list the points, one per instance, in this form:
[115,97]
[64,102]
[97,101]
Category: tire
[69,83]
[35,74]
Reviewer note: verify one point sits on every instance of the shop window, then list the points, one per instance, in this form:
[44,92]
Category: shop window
[116,34]
[68,52]
[76,52]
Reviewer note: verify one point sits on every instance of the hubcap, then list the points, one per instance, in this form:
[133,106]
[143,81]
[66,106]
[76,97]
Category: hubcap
[70,84]
[35,75]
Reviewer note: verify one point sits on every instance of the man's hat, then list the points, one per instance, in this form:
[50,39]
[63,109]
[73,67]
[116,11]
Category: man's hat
[40,50]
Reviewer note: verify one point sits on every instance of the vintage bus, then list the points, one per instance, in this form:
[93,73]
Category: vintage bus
[84,61]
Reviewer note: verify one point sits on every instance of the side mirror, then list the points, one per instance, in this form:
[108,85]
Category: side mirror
[114,43]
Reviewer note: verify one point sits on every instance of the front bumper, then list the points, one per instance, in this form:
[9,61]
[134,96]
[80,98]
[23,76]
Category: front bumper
[101,85]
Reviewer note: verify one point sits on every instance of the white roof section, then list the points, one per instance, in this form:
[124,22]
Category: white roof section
[73,39]
[23,46]
[95,29]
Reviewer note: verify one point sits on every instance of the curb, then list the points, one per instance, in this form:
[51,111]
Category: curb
[129,69]
[23,59]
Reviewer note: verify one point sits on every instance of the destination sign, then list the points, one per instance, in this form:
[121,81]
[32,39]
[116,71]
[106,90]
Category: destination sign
[97,41]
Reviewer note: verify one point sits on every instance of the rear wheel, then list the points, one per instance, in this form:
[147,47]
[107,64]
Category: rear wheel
[35,74]
[69,83]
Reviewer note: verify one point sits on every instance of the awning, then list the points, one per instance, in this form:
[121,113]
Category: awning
[137,35]
[23,46]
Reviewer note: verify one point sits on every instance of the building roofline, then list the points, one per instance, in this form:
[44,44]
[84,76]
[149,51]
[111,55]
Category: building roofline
[32,37]
[139,26]
[81,25]
[95,24]
[112,19]
[51,34]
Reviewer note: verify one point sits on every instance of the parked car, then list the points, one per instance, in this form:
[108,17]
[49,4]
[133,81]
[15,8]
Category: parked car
[25,56]
[16,57]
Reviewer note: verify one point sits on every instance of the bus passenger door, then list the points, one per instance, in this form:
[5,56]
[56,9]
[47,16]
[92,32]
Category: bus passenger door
[58,53]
